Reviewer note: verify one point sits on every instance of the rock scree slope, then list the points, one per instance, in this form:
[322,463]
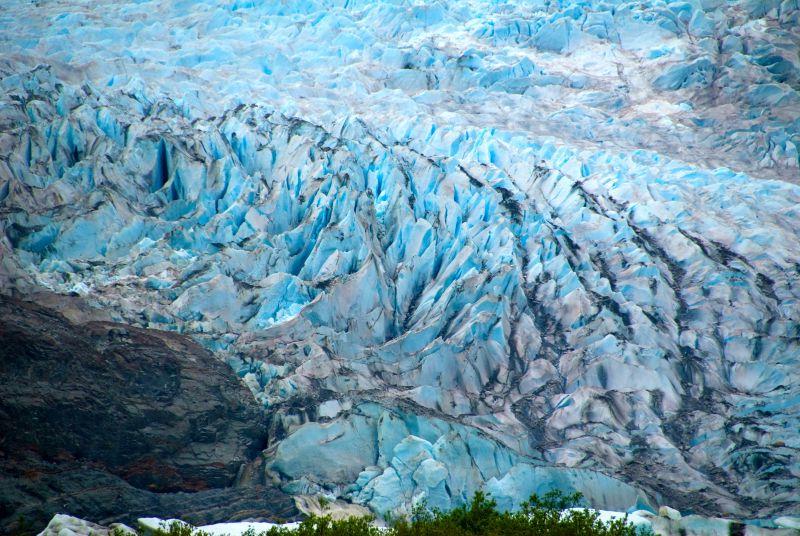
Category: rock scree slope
[114,422]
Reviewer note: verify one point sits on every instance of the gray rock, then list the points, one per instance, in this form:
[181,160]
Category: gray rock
[64,525]
[107,422]
[671,513]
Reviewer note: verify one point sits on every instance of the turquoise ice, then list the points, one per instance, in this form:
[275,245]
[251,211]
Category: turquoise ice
[449,245]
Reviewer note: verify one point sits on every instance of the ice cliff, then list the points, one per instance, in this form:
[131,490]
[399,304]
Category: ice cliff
[448,245]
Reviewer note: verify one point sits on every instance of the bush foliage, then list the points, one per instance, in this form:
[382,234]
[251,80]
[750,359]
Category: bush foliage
[539,516]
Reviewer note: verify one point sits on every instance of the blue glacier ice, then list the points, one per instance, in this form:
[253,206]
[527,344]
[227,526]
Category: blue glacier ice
[449,245]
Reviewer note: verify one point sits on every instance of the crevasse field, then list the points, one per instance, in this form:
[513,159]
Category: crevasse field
[450,245]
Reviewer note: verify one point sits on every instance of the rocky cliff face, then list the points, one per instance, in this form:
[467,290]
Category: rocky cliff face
[448,245]
[111,421]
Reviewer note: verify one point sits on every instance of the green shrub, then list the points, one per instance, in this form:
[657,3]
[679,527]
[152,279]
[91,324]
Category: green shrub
[326,526]
[539,516]
[324,502]
[176,528]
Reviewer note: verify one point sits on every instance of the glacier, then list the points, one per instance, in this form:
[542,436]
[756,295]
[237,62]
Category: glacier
[448,245]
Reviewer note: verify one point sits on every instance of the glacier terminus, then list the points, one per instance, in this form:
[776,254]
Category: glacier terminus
[448,246]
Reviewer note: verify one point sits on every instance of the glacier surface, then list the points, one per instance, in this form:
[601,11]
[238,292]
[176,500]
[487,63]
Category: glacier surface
[449,245]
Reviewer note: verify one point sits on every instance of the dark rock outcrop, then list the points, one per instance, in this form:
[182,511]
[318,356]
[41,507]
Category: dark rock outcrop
[110,422]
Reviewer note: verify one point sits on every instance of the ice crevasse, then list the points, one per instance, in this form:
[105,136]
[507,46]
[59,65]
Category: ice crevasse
[449,245]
